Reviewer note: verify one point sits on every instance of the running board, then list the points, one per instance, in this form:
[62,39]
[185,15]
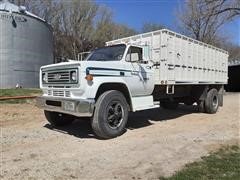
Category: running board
[143,102]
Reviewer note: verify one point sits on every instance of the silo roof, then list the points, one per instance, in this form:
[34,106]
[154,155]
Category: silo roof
[5,5]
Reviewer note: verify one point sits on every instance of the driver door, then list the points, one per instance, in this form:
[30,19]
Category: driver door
[140,79]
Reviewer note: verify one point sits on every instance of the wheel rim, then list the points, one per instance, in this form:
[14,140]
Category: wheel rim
[215,102]
[115,115]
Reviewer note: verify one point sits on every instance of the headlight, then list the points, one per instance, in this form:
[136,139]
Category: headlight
[44,77]
[73,76]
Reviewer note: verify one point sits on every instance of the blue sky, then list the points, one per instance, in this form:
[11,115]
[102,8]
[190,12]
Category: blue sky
[135,12]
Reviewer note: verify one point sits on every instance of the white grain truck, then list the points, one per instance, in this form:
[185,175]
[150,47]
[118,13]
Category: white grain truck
[160,68]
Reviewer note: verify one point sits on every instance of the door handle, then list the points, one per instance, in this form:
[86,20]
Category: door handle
[134,73]
[149,67]
[122,73]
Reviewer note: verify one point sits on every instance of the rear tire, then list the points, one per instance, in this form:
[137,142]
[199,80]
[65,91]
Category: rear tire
[169,104]
[110,115]
[58,119]
[212,101]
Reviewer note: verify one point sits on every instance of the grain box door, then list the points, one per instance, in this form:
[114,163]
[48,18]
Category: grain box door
[171,58]
[163,57]
[155,56]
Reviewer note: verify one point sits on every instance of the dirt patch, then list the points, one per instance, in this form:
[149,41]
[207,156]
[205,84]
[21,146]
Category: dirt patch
[157,143]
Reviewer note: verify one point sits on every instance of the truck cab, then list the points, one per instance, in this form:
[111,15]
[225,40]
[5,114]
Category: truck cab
[121,72]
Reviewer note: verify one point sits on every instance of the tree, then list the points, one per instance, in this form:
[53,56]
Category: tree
[107,29]
[77,25]
[202,19]
[104,27]
[223,6]
[233,50]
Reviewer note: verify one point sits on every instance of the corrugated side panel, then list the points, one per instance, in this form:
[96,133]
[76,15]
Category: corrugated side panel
[187,61]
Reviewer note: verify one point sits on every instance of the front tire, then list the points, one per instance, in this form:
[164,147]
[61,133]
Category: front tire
[110,115]
[58,119]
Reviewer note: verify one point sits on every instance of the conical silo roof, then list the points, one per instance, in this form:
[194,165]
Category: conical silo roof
[5,5]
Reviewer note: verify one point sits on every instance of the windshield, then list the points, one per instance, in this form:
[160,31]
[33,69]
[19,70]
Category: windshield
[110,53]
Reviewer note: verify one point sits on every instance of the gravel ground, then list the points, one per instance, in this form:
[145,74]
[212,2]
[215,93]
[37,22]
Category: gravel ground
[157,143]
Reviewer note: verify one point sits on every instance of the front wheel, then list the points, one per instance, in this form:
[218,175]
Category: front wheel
[58,119]
[111,115]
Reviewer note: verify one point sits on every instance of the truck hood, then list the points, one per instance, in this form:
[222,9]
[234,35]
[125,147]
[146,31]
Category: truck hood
[85,64]
[77,63]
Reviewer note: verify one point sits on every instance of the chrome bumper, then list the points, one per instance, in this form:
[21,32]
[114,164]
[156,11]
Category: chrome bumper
[82,107]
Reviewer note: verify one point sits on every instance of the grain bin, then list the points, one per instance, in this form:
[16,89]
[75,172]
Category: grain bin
[26,44]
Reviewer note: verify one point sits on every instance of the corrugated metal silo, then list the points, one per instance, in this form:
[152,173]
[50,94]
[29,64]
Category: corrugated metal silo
[26,43]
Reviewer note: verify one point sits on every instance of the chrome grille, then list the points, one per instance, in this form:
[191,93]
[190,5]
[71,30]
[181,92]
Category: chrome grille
[59,93]
[67,94]
[59,76]
[49,92]
[54,77]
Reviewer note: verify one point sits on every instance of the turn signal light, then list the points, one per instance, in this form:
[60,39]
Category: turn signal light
[89,77]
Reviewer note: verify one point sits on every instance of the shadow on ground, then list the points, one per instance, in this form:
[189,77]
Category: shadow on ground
[81,128]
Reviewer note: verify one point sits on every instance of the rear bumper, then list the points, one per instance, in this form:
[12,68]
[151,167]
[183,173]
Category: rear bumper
[82,107]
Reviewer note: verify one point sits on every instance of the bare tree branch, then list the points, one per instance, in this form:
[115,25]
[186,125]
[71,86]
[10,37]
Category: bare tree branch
[202,19]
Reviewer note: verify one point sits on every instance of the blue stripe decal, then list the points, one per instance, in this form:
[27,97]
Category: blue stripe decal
[121,71]
[105,75]
[107,69]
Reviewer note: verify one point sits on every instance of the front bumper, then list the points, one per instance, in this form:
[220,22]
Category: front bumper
[82,107]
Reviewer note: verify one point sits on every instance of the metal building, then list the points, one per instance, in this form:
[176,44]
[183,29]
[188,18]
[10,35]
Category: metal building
[233,76]
[26,43]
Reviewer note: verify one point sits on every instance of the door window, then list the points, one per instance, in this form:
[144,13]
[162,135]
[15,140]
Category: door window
[134,54]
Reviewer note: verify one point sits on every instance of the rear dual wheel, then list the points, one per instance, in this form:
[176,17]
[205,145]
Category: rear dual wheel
[211,103]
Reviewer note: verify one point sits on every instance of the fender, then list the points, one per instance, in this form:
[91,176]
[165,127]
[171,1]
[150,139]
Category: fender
[93,86]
